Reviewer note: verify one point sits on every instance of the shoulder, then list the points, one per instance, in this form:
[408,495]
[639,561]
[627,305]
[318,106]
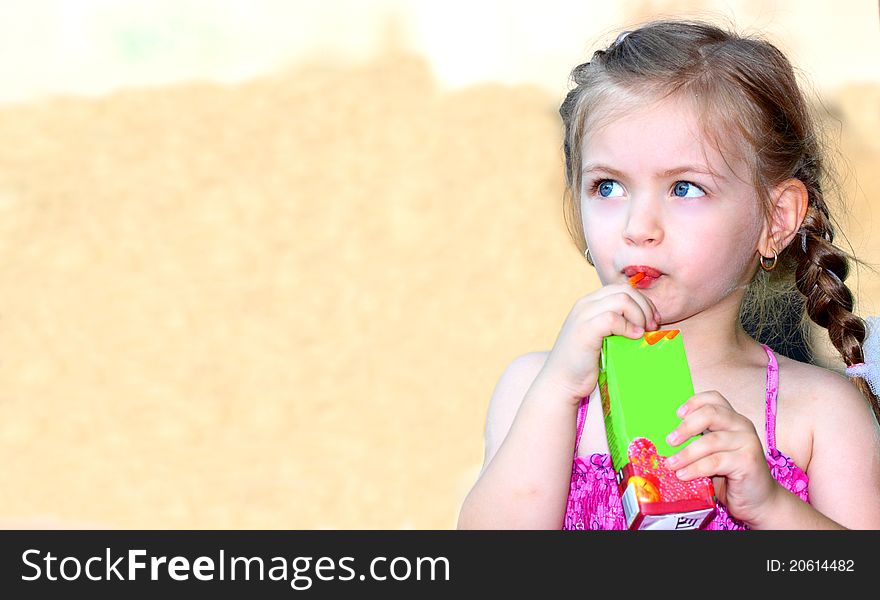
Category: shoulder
[522,370]
[820,400]
[844,465]
[513,384]
[507,396]
[838,407]
[817,389]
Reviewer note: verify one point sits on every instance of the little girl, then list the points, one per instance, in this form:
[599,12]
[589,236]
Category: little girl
[691,158]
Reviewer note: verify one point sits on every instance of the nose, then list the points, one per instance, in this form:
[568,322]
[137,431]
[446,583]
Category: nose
[644,225]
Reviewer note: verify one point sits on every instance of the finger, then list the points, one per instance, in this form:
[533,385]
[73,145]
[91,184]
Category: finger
[702,399]
[610,323]
[651,313]
[711,443]
[622,298]
[719,464]
[709,417]
[655,313]
[647,306]
[653,308]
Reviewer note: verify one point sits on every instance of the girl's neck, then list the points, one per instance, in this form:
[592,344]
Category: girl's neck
[715,338]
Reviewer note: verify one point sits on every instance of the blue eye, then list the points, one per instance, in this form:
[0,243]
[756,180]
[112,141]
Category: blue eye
[683,189]
[605,188]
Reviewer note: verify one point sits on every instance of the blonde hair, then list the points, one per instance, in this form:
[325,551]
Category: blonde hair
[749,103]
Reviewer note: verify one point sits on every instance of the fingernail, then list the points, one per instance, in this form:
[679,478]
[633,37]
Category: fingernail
[672,460]
[681,473]
[672,438]
[682,410]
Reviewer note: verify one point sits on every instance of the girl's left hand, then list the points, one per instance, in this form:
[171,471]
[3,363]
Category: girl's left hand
[729,451]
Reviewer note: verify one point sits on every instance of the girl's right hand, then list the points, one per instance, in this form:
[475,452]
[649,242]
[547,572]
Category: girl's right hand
[615,309]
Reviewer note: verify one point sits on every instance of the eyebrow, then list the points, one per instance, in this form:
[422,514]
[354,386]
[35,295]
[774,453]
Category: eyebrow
[702,169]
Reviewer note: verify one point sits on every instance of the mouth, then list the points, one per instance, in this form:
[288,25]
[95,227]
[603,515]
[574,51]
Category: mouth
[642,276]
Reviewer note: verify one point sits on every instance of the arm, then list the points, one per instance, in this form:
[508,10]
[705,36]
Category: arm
[844,470]
[530,430]
[525,478]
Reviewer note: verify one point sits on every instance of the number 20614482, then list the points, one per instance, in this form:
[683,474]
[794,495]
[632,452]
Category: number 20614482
[810,565]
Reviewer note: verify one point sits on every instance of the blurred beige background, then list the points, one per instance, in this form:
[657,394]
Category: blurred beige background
[263,262]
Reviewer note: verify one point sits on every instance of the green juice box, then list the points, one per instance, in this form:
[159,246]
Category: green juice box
[642,382]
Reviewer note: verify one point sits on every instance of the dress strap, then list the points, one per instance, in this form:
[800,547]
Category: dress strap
[582,417]
[771,392]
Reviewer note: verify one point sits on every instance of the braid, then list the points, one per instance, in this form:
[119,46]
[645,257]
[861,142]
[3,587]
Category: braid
[821,269]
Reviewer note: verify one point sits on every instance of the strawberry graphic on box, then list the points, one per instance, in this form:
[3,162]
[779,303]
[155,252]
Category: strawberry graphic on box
[642,383]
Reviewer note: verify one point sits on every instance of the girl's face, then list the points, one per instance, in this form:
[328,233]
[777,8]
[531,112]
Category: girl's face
[655,193]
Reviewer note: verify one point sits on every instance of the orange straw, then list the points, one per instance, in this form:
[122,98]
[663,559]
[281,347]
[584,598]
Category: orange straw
[636,278]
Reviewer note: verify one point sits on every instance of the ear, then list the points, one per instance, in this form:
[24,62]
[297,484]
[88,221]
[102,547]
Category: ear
[790,201]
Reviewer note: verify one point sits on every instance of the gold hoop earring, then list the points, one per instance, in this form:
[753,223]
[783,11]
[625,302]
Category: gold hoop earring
[772,265]
[588,257]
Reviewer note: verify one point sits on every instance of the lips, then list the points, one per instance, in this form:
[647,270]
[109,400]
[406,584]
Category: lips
[648,271]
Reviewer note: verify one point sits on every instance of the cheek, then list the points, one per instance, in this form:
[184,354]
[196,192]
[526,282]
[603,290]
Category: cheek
[600,235]
[725,259]
[601,221]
